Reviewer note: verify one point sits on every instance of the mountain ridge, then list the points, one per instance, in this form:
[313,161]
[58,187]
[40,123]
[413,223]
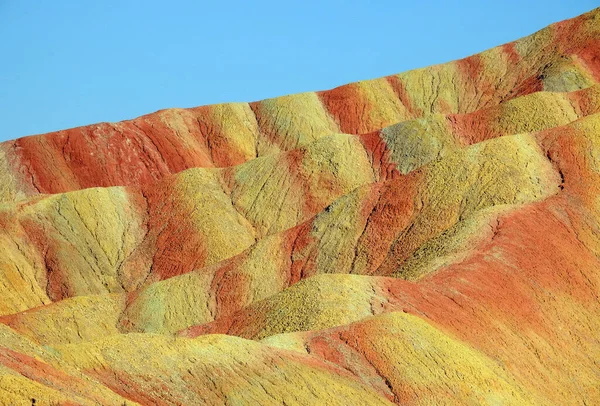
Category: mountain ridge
[431,237]
[188,137]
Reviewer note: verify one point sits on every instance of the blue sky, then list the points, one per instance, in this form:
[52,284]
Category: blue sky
[71,63]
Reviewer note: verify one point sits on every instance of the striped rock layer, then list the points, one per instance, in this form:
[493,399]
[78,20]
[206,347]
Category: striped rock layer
[431,237]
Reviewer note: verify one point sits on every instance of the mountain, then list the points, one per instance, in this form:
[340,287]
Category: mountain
[431,237]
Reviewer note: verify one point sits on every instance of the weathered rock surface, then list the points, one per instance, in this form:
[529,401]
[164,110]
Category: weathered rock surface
[431,237]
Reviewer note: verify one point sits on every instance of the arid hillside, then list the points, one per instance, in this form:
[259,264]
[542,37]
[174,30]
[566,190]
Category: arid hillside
[426,238]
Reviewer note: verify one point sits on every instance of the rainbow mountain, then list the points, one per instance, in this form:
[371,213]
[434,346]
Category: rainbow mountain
[430,237]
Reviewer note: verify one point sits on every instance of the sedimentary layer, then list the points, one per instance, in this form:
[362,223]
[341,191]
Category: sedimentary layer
[431,237]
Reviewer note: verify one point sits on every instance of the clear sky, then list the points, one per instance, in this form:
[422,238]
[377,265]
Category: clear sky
[70,63]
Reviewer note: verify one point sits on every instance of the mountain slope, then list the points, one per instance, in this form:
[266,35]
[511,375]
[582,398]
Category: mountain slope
[431,237]
[561,57]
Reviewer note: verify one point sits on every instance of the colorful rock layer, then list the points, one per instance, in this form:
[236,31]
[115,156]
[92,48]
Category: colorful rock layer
[431,237]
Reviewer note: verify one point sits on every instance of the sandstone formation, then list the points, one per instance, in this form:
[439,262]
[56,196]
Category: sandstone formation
[431,237]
